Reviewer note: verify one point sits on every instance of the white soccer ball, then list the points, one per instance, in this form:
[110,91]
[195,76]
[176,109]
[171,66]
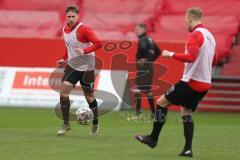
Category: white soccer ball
[84,115]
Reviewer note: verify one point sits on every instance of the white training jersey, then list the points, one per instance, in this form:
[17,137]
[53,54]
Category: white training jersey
[201,68]
[78,62]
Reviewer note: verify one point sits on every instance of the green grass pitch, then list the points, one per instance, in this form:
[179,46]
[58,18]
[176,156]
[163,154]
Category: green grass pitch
[30,134]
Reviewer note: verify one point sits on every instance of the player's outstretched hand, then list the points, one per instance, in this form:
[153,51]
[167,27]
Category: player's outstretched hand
[167,54]
[78,50]
[61,63]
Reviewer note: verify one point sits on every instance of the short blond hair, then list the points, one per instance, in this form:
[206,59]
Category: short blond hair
[195,12]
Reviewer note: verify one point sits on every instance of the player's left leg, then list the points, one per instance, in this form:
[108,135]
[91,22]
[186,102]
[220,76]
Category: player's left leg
[92,102]
[188,127]
[87,83]
[188,124]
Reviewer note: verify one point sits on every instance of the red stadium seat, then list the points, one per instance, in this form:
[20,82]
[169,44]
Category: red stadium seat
[165,36]
[110,35]
[232,67]
[119,15]
[54,5]
[122,6]
[40,5]
[131,36]
[114,22]
[223,46]
[19,24]
[210,7]
[173,28]
[217,24]
[228,25]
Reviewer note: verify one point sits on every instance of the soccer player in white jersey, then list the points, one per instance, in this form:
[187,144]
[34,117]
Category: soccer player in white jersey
[79,63]
[194,84]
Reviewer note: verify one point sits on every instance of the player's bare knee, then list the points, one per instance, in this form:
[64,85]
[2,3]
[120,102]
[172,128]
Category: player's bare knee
[186,115]
[66,83]
[66,88]
[89,97]
[186,112]
[64,93]
[163,102]
[64,96]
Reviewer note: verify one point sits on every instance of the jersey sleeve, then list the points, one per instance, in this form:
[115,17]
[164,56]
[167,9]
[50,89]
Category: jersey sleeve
[65,55]
[194,42]
[90,36]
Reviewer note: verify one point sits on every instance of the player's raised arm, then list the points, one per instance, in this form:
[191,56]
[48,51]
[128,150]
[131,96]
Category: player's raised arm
[194,42]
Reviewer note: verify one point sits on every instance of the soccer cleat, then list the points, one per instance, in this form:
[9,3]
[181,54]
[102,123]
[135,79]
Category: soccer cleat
[146,140]
[186,153]
[64,128]
[95,130]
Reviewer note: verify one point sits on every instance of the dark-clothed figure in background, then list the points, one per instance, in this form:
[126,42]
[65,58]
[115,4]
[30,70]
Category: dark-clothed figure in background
[147,53]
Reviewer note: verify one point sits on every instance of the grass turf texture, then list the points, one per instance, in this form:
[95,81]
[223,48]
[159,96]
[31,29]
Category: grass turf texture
[27,134]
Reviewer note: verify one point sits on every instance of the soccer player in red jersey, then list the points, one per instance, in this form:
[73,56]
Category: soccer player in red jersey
[194,84]
[79,62]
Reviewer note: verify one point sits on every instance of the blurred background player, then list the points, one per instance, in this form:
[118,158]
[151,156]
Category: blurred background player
[79,63]
[195,83]
[147,52]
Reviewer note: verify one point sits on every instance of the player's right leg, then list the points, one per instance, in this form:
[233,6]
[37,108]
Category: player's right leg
[66,87]
[159,120]
[69,80]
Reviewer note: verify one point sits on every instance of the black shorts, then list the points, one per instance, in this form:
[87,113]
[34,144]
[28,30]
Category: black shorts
[144,76]
[182,94]
[86,78]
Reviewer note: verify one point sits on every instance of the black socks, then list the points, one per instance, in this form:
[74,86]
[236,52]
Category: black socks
[158,122]
[160,119]
[188,127]
[65,106]
[94,107]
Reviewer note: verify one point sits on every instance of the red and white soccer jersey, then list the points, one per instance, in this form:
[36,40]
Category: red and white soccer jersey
[198,58]
[83,37]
